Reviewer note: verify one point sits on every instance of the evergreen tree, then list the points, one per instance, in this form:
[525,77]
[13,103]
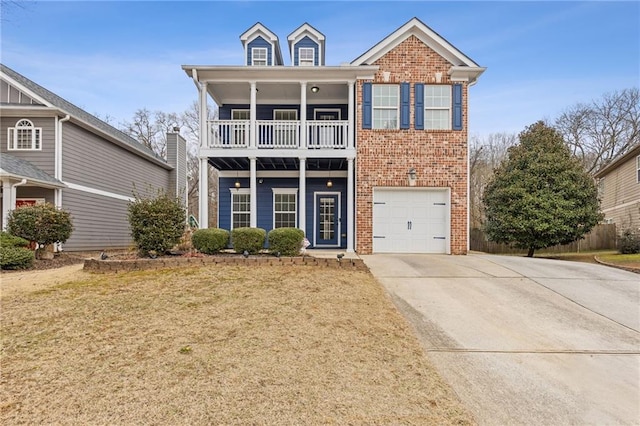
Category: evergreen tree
[540,195]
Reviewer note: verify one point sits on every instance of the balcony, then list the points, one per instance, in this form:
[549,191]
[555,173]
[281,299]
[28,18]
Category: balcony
[279,134]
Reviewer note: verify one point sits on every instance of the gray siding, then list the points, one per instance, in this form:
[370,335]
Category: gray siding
[43,159]
[621,195]
[96,163]
[98,222]
[177,157]
[11,95]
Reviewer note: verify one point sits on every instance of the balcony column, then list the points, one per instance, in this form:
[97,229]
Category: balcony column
[303,114]
[351,116]
[350,206]
[302,198]
[253,116]
[202,89]
[253,191]
[203,194]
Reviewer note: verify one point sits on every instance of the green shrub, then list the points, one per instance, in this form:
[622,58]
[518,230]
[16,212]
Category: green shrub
[8,240]
[43,223]
[248,239]
[16,257]
[286,241]
[210,241]
[156,223]
[629,242]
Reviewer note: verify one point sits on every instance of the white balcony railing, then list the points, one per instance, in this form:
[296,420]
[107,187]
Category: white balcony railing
[228,133]
[278,134]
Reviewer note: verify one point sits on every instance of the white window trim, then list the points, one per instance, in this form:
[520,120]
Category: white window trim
[266,55]
[285,110]
[239,191]
[306,63]
[239,110]
[449,109]
[638,169]
[321,110]
[12,136]
[374,107]
[285,191]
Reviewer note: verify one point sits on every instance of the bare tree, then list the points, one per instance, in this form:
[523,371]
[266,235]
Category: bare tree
[150,129]
[599,132]
[484,156]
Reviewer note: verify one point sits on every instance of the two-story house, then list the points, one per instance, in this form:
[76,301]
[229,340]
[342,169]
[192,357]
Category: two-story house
[52,151]
[619,190]
[368,156]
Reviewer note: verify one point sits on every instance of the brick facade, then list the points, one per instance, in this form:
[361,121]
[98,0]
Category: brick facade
[385,156]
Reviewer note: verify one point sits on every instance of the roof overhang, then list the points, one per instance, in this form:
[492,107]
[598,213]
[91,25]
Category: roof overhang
[231,84]
[31,181]
[634,152]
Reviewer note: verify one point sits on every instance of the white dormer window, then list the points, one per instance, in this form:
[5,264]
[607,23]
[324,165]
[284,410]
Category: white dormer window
[24,137]
[259,56]
[306,56]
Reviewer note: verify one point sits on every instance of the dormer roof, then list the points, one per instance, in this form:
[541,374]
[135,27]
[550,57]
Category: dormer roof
[462,69]
[306,30]
[259,30]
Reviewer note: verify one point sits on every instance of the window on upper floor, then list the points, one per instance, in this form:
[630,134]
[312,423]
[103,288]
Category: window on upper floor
[258,56]
[385,105]
[638,169]
[24,137]
[601,187]
[240,208]
[306,56]
[437,107]
[284,208]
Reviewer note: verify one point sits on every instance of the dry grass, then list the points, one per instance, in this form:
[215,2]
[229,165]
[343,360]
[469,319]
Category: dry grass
[232,345]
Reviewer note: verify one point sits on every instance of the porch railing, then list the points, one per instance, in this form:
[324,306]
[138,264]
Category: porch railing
[320,134]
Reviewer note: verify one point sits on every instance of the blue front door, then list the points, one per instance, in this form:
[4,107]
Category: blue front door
[327,220]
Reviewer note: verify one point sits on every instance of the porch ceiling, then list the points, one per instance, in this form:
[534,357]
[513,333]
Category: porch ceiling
[225,93]
[277,163]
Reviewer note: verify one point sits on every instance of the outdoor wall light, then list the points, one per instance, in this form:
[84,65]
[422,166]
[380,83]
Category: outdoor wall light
[412,176]
[329,183]
[315,89]
[237,184]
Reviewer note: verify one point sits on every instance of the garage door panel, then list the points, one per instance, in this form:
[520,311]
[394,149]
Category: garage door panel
[410,221]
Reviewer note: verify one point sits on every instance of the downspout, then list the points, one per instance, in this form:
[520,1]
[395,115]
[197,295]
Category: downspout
[58,169]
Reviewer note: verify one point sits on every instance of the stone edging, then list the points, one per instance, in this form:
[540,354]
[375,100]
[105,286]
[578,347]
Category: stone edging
[624,268]
[115,266]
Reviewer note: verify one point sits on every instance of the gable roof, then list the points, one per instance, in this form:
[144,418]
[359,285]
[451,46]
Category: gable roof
[52,100]
[259,29]
[299,34]
[463,68]
[17,168]
[633,152]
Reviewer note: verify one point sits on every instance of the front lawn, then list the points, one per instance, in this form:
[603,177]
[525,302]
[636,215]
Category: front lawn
[220,345]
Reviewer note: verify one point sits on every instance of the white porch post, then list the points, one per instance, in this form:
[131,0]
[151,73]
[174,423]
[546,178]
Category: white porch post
[350,206]
[202,89]
[253,197]
[8,203]
[303,114]
[253,116]
[351,116]
[203,193]
[302,200]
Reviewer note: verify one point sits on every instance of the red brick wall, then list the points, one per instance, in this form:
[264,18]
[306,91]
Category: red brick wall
[385,156]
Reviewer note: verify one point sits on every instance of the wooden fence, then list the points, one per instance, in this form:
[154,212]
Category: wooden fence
[602,237]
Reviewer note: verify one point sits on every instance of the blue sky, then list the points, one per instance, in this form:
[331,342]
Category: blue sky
[112,58]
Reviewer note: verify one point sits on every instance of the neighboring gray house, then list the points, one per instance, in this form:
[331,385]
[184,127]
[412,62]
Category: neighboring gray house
[52,151]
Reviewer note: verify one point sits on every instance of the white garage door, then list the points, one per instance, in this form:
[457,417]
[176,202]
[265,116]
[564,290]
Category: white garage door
[411,220]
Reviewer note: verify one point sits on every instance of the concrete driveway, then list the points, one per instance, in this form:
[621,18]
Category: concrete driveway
[525,341]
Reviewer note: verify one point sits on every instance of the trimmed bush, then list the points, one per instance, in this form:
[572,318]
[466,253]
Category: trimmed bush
[286,241]
[210,241]
[629,242]
[43,223]
[8,240]
[248,239]
[157,223]
[12,257]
